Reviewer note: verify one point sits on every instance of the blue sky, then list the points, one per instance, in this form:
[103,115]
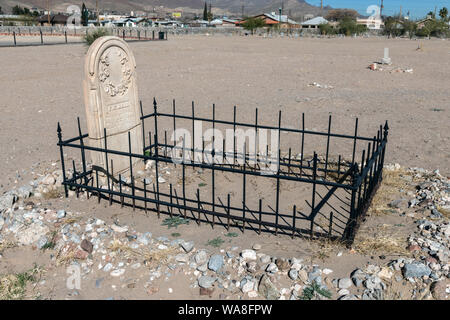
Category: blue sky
[417,8]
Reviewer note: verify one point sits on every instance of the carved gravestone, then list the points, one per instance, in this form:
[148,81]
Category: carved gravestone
[111,101]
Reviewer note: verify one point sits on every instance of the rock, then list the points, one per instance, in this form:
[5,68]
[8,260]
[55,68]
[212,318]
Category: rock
[252,266]
[385,273]
[41,242]
[150,164]
[24,192]
[107,267]
[327,271]
[441,289]
[187,246]
[87,246]
[202,267]
[182,258]
[248,254]
[343,292]
[206,292]
[413,248]
[349,297]
[49,180]
[247,285]
[6,201]
[315,276]
[215,262]
[399,204]
[264,259]
[61,214]
[256,246]
[201,257]
[117,273]
[293,274]
[32,233]
[282,264]
[206,281]
[252,294]
[119,229]
[267,289]
[2,222]
[373,282]
[373,294]
[272,268]
[303,276]
[344,283]
[144,238]
[161,180]
[416,270]
[358,276]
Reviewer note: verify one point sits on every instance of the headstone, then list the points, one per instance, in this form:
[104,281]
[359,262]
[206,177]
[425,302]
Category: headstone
[111,101]
[386,59]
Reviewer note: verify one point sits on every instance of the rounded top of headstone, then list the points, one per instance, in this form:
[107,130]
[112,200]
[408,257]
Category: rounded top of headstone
[106,50]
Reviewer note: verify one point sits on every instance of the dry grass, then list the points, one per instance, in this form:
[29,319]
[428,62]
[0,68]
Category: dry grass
[444,212]
[6,245]
[13,286]
[389,190]
[53,194]
[324,248]
[380,242]
[151,258]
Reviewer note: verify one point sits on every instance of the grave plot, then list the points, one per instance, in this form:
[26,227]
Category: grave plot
[218,171]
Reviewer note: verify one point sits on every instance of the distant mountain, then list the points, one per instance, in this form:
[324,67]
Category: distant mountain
[295,8]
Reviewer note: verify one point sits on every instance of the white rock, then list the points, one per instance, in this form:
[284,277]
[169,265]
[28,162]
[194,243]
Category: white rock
[117,273]
[248,254]
[327,271]
[119,229]
[252,294]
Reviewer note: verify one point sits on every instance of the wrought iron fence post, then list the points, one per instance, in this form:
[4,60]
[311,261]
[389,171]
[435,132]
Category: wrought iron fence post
[60,143]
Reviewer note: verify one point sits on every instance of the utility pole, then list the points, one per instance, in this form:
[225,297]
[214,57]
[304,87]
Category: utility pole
[321,7]
[98,15]
[48,11]
[400,12]
[381,9]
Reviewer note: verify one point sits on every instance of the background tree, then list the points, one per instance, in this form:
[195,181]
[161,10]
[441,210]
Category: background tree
[1,11]
[392,27]
[17,10]
[409,28]
[341,14]
[431,14]
[443,13]
[205,12]
[84,15]
[348,27]
[252,24]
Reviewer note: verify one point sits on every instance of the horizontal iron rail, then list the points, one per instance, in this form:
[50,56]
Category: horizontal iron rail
[263,126]
[206,166]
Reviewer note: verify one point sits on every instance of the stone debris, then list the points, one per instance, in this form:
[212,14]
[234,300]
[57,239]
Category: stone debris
[252,273]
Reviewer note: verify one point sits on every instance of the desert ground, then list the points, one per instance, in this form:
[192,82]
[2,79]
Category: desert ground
[41,86]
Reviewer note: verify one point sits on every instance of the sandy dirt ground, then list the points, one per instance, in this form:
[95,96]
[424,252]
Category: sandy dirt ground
[40,86]
[43,85]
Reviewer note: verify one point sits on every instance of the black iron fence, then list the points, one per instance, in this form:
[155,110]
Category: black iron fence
[33,36]
[304,195]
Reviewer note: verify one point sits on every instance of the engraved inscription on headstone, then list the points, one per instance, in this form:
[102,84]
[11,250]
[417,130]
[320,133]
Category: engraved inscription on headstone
[111,101]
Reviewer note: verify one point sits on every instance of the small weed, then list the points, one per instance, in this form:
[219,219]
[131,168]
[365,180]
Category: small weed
[201,184]
[436,110]
[13,286]
[217,242]
[175,234]
[310,292]
[231,235]
[50,244]
[174,222]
